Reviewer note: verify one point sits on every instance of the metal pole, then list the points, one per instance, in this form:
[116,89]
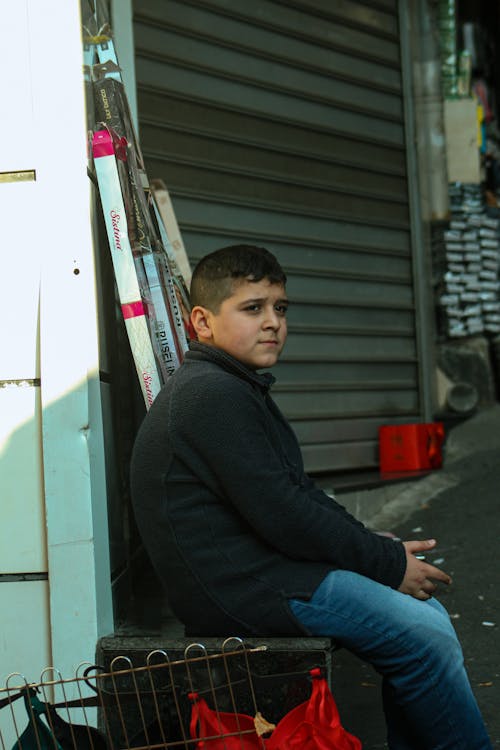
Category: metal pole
[424,317]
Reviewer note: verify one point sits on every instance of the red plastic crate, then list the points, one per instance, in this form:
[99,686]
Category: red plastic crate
[411,447]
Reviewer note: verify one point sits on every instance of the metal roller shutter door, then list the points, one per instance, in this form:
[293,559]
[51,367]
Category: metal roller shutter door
[282,124]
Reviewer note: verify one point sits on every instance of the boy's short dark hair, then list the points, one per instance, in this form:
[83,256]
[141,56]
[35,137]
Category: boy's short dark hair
[214,276]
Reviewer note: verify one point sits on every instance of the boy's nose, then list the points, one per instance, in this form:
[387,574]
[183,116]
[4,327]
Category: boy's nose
[272,319]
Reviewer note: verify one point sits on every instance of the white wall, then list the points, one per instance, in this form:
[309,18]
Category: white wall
[53,522]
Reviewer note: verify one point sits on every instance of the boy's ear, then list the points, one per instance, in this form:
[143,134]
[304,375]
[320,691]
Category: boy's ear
[200,319]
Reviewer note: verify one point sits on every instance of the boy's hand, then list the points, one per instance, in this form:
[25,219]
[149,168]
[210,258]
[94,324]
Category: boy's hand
[419,576]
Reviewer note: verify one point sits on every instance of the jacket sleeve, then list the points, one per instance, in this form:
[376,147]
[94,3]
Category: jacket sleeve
[329,502]
[221,432]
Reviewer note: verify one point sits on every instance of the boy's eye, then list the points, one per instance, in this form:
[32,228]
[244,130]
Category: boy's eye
[256,307]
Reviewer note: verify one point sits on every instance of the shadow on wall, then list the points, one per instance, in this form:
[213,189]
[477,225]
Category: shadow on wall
[55,594]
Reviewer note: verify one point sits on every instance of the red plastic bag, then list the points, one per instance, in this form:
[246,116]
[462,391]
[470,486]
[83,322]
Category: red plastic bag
[314,724]
[218,730]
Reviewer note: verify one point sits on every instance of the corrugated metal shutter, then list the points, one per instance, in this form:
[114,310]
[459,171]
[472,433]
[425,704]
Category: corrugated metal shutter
[281,123]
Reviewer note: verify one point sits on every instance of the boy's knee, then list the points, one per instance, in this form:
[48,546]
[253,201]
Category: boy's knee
[438,640]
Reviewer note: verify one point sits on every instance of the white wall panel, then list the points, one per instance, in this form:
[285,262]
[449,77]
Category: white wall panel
[16,123]
[25,622]
[22,527]
[20,252]
[49,346]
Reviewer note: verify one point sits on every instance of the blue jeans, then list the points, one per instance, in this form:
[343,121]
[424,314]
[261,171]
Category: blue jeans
[428,701]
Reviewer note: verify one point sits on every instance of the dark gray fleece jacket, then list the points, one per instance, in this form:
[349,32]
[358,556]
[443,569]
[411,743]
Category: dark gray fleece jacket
[233,525]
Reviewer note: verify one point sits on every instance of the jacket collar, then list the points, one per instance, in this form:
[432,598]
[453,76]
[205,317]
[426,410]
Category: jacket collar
[206,353]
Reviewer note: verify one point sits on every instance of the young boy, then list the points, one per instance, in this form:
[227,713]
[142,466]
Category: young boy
[247,545]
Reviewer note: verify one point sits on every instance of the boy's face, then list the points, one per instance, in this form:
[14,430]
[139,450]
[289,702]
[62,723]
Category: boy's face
[250,324]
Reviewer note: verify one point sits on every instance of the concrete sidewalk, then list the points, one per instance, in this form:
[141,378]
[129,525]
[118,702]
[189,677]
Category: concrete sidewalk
[458,505]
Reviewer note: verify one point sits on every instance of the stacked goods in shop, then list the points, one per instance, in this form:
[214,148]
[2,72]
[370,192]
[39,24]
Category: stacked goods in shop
[466,266]
[447,25]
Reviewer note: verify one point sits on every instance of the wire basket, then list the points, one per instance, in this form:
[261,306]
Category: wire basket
[204,700]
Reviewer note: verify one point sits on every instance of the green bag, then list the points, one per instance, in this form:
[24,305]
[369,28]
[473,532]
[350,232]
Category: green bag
[37,735]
